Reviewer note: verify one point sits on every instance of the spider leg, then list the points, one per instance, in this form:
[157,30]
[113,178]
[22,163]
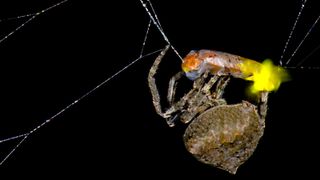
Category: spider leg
[173,86]
[206,88]
[200,82]
[179,106]
[263,104]
[221,86]
[155,93]
[193,93]
[153,86]
[215,98]
[202,100]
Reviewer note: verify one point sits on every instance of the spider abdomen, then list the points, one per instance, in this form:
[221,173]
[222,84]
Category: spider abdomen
[225,136]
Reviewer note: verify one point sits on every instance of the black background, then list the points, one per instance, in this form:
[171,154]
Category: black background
[67,51]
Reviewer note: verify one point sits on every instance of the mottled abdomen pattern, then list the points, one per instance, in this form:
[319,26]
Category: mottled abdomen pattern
[225,136]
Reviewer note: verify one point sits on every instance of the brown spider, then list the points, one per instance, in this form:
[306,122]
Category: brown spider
[219,134]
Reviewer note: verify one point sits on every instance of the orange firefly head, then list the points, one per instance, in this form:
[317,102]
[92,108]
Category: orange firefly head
[191,62]
[192,65]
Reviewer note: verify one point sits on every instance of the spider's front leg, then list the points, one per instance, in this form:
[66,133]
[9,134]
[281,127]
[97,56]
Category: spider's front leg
[153,86]
[155,93]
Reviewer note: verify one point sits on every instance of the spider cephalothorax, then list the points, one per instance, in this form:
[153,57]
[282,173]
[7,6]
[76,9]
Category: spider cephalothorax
[219,134]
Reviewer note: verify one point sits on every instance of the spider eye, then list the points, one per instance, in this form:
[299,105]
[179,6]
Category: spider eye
[193,75]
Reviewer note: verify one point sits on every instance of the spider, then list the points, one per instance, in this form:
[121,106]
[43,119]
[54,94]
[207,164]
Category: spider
[218,134]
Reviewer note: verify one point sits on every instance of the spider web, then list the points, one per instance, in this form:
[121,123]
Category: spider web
[26,130]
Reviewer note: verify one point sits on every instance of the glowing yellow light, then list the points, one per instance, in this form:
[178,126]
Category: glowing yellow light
[265,76]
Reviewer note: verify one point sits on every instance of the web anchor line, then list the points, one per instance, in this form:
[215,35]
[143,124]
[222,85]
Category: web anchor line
[302,41]
[291,31]
[298,66]
[156,22]
[33,16]
[26,135]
